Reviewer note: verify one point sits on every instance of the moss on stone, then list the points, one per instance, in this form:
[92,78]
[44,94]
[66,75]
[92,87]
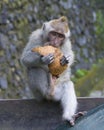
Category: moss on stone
[93,80]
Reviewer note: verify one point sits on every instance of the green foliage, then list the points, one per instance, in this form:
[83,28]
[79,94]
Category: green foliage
[80,73]
[90,80]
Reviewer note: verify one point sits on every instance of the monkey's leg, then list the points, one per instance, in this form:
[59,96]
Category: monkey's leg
[52,86]
[53,82]
[38,81]
[68,101]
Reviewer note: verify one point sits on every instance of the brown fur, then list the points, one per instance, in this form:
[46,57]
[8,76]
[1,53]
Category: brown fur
[61,25]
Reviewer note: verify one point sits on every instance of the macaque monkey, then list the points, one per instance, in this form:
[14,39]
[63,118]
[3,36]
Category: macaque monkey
[56,33]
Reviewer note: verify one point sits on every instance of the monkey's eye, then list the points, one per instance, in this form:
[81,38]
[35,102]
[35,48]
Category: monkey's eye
[54,33]
[61,36]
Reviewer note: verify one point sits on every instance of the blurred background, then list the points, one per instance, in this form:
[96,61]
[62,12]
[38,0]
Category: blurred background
[18,18]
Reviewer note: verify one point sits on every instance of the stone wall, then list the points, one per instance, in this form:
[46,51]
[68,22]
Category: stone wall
[19,18]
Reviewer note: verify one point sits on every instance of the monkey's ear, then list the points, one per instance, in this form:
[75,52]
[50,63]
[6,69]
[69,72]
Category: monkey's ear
[44,27]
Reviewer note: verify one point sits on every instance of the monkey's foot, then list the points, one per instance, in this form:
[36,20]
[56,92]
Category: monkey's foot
[75,117]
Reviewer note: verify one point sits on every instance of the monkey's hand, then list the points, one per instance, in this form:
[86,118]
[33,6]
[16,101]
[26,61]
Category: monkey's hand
[65,60]
[48,59]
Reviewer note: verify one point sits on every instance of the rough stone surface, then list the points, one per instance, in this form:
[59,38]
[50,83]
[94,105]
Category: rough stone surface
[19,18]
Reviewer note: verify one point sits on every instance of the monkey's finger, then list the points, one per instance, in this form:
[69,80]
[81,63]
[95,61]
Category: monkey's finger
[79,114]
[48,59]
[68,58]
[51,61]
[71,122]
[45,59]
[64,61]
[51,55]
[63,58]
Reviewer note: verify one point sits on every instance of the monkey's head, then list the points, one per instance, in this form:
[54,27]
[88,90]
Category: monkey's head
[56,31]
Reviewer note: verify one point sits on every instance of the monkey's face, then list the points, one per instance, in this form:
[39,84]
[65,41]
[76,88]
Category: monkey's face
[56,39]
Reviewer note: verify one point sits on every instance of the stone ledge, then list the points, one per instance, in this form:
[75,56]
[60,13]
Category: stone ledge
[32,115]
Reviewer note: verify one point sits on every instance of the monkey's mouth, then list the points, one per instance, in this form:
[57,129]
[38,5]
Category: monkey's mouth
[54,44]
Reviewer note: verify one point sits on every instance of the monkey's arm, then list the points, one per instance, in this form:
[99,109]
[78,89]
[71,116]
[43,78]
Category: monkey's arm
[34,59]
[30,59]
